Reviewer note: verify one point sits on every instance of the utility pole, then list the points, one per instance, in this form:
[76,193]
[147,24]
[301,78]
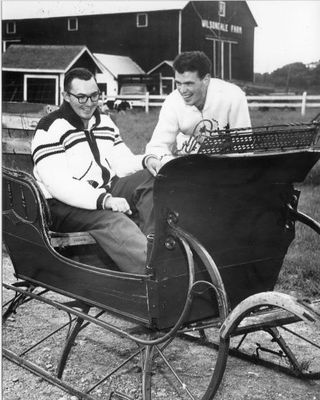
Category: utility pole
[288,78]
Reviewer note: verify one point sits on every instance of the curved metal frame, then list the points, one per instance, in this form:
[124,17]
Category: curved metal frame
[302,311]
[294,311]
[305,219]
[275,299]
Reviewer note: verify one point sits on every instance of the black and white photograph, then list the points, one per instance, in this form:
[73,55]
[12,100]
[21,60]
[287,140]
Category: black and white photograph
[160,200]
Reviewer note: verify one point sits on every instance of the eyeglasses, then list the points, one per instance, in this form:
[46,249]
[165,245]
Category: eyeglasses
[82,98]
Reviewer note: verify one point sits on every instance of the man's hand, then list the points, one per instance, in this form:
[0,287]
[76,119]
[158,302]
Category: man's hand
[119,204]
[153,165]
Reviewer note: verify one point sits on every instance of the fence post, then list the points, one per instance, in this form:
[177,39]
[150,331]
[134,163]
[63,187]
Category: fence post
[147,102]
[304,102]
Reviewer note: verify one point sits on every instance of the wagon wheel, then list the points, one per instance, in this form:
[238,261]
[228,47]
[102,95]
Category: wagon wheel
[293,349]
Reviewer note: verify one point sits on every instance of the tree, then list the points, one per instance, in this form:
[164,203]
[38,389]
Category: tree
[295,76]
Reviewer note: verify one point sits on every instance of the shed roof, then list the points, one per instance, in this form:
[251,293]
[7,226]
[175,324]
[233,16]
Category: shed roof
[21,9]
[167,62]
[119,65]
[43,58]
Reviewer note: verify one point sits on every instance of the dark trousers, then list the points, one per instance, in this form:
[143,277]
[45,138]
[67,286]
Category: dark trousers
[122,238]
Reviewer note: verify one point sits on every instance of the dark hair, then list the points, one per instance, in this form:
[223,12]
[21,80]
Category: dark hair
[76,73]
[192,61]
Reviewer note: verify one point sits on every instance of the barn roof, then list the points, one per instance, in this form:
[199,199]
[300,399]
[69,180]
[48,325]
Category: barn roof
[250,12]
[119,65]
[43,58]
[21,9]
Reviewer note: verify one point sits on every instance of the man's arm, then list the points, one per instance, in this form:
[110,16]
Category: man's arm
[163,141]
[239,116]
[123,161]
[62,186]
[54,174]
[119,157]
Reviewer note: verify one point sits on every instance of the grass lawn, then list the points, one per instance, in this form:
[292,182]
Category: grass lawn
[301,270]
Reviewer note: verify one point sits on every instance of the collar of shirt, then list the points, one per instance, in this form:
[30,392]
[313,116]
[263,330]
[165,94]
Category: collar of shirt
[74,119]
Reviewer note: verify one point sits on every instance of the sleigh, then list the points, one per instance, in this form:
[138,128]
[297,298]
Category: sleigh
[225,218]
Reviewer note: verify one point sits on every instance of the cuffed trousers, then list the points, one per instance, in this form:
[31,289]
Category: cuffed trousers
[116,233]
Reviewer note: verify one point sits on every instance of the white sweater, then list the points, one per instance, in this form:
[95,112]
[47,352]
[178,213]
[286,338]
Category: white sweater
[225,106]
[76,165]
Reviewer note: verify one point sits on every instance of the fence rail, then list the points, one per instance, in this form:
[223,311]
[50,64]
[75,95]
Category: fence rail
[273,101]
[28,120]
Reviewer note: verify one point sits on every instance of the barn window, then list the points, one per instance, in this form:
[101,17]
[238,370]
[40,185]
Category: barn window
[72,24]
[11,27]
[142,20]
[103,89]
[222,8]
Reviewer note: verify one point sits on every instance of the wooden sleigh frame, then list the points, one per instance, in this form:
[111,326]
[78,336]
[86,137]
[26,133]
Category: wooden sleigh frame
[249,188]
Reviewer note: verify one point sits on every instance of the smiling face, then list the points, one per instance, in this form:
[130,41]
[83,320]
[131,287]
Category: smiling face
[80,87]
[192,88]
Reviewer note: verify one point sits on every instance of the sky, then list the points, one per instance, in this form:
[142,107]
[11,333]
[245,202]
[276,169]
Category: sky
[287,32]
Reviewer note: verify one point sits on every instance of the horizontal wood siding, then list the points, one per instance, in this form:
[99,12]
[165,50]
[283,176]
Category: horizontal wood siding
[192,32]
[111,34]
[194,35]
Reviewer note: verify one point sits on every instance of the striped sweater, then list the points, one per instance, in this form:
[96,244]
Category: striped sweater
[76,165]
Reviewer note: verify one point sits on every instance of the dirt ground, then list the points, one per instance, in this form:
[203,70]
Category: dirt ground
[95,352]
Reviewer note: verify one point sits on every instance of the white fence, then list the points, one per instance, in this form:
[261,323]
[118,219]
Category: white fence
[284,101]
[276,101]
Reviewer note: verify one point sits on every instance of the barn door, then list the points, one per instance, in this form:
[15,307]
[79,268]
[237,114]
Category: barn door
[221,58]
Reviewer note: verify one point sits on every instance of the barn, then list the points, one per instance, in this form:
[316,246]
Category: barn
[150,33]
[35,74]
[113,68]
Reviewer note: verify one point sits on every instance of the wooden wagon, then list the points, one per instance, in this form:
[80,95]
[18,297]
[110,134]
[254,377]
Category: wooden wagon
[225,218]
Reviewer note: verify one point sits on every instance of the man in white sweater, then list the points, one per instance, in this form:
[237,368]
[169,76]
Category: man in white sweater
[197,97]
[92,181]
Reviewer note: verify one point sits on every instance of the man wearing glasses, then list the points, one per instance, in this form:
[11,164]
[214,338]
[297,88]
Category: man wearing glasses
[92,181]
